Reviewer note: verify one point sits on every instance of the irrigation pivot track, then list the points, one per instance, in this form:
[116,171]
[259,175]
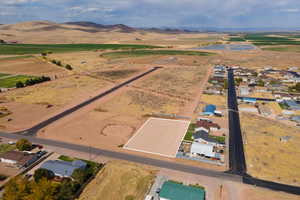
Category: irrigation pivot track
[237,163]
[33,130]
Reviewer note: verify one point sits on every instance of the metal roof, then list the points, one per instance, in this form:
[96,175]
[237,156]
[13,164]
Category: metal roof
[210,108]
[176,191]
[205,149]
[63,168]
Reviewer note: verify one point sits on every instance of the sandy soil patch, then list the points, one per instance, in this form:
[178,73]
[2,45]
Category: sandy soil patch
[120,180]
[267,157]
[154,137]
[30,66]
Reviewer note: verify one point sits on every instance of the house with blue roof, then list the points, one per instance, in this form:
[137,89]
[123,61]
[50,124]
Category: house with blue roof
[209,110]
[63,169]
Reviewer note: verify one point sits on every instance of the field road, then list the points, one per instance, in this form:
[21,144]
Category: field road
[126,156]
[33,130]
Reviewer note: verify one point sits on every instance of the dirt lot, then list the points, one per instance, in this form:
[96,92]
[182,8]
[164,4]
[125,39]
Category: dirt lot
[266,156]
[154,137]
[120,180]
[30,66]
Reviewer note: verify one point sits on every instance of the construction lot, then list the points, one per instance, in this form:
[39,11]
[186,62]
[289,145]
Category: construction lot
[159,136]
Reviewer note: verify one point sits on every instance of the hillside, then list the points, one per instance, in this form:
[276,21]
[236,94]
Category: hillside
[81,32]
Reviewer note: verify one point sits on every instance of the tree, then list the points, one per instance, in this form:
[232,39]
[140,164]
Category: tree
[20,84]
[43,173]
[42,190]
[69,67]
[23,145]
[16,189]
[66,190]
[81,175]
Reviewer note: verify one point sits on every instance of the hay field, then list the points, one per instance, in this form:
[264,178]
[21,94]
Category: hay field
[267,157]
[59,92]
[120,181]
[176,81]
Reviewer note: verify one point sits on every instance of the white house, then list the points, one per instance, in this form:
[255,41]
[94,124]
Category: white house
[206,150]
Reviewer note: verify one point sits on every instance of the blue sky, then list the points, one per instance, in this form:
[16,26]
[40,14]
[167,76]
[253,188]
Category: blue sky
[158,13]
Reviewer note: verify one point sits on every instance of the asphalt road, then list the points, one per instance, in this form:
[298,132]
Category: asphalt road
[33,130]
[237,163]
[127,157]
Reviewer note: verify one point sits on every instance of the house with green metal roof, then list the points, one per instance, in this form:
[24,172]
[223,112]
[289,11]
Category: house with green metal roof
[175,191]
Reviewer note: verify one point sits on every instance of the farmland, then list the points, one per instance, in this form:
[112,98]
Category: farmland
[138,53]
[120,180]
[21,49]
[266,157]
[11,81]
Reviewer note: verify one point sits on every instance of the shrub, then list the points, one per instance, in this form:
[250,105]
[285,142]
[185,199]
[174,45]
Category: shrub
[23,145]
[20,84]
[69,67]
[43,173]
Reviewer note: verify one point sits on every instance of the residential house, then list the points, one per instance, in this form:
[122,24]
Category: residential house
[244,90]
[201,149]
[18,158]
[203,137]
[63,169]
[293,105]
[208,125]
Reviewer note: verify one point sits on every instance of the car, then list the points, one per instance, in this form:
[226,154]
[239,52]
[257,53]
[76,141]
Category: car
[11,142]
[41,153]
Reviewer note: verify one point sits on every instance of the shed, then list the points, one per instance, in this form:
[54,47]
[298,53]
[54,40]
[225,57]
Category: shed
[209,110]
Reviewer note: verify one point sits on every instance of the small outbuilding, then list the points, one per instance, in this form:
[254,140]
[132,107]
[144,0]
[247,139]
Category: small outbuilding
[209,110]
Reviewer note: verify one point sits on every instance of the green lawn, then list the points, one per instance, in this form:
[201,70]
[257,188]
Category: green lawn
[21,49]
[189,134]
[137,53]
[10,82]
[6,147]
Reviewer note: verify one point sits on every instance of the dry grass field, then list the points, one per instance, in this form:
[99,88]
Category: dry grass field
[29,66]
[120,180]
[266,156]
[59,92]
[180,82]
[139,103]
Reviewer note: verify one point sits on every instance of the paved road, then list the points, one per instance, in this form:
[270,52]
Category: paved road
[237,163]
[257,98]
[127,157]
[33,130]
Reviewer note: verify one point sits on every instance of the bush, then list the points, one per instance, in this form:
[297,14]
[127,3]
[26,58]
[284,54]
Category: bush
[20,84]
[43,173]
[23,145]
[69,67]
[54,62]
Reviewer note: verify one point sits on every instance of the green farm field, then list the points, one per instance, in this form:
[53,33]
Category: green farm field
[138,53]
[21,49]
[11,81]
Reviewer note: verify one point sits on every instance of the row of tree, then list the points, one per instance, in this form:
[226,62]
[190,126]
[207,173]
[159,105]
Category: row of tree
[32,81]
[58,63]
